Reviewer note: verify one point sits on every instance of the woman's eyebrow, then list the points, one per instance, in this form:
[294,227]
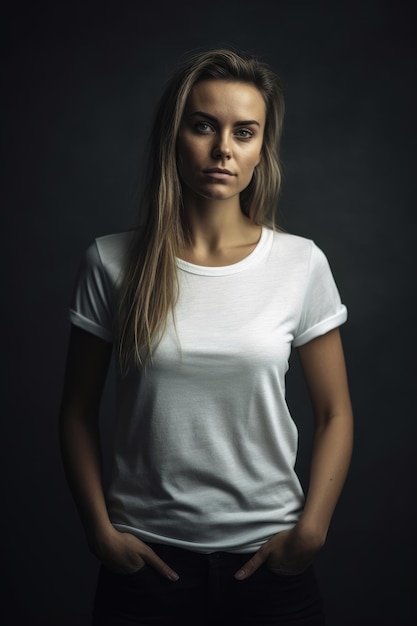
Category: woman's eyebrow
[214,119]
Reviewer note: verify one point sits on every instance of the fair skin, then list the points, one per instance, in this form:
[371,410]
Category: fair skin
[212,137]
[221,130]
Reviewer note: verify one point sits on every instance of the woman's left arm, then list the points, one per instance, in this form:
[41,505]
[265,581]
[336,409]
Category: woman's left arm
[323,364]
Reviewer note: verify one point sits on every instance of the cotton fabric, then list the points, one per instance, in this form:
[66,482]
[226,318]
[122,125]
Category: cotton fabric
[205,446]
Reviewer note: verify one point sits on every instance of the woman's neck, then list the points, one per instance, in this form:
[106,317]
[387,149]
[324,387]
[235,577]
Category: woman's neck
[218,234]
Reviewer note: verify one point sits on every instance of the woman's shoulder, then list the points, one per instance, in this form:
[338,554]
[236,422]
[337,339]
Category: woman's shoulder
[295,252]
[109,251]
[284,242]
[108,254]
[114,245]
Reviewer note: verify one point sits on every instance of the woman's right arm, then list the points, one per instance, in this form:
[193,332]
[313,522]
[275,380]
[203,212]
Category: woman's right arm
[85,375]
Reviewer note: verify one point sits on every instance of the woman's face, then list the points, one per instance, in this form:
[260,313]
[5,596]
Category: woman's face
[220,138]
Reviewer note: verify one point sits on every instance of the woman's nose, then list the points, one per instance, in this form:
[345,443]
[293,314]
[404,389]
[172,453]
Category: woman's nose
[222,149]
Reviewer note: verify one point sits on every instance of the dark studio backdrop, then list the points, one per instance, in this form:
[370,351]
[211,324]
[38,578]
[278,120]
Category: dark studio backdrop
[80,82]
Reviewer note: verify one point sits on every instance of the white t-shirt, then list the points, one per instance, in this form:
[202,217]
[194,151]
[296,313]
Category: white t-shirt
[205,446]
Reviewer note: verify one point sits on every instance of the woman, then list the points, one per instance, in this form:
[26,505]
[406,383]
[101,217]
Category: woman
[205,521]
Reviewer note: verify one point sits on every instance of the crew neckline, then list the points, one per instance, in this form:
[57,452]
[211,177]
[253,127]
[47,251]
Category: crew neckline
[234,268]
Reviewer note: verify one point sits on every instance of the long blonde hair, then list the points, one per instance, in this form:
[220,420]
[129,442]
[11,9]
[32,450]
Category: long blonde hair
[150,287]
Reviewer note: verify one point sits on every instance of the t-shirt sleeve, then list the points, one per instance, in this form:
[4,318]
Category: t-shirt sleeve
[92,303]
[322,308]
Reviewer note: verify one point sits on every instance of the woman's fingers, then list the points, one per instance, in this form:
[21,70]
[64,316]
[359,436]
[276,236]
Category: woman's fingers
[152,559]
[284,554]
[124,553]
[252,565]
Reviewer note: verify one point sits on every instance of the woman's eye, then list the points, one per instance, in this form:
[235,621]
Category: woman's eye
[203,127]
[244,133]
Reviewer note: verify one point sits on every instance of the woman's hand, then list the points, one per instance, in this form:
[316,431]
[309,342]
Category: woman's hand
[289,552]
[86,370]
[124,553]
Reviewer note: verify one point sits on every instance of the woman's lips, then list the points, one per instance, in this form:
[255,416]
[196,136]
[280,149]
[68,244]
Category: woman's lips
[217,172]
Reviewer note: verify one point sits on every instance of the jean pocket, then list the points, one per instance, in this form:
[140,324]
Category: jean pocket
[109,573]
[275,571]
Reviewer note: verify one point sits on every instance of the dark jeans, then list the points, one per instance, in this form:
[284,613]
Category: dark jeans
[207,594]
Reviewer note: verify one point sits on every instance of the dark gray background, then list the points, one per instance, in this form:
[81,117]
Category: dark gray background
[79,86]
